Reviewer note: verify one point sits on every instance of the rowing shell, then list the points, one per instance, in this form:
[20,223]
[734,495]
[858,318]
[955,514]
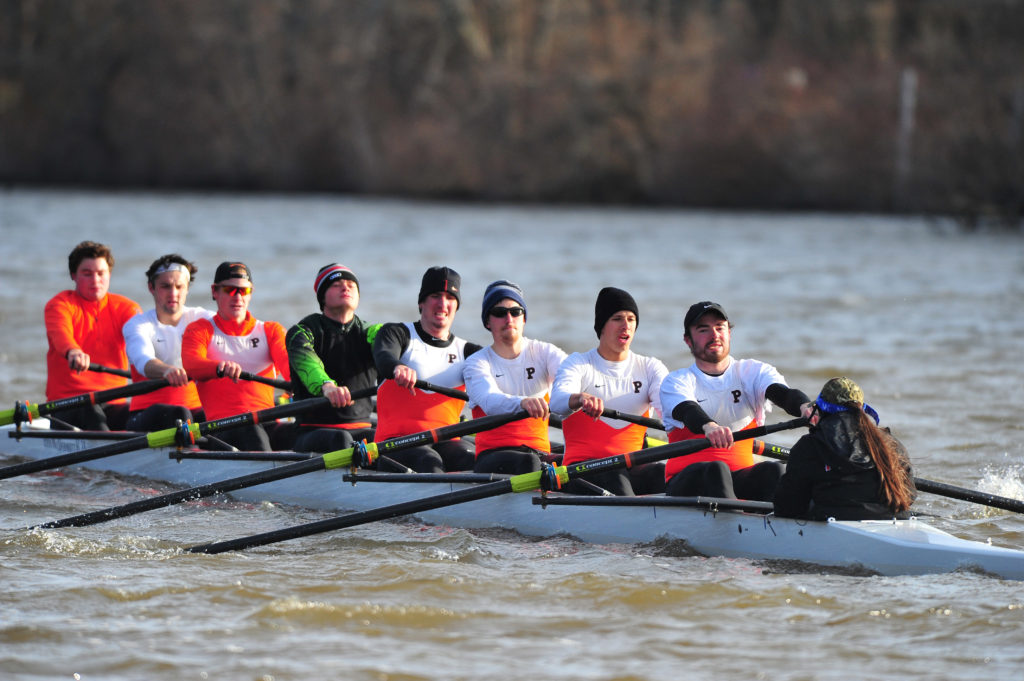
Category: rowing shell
[708,527]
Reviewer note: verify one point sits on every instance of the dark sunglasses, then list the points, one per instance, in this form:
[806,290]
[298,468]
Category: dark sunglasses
[499,312]
[236,290]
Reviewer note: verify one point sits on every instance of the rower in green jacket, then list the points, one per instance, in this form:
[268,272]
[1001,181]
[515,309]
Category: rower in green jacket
[330,355]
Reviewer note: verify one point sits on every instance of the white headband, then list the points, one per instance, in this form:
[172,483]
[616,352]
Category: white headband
[172,267]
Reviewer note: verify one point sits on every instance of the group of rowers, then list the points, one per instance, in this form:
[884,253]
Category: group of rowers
[846,467]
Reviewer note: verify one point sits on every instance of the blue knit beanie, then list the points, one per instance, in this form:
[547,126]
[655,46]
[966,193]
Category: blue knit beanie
[498,291]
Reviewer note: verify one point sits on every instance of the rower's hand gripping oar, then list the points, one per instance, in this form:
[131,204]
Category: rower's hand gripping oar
[181,436]
[547,478]
[932,487]
[362,454]
[26,411]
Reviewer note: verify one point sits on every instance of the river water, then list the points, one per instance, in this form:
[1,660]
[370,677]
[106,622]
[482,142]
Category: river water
[927,319]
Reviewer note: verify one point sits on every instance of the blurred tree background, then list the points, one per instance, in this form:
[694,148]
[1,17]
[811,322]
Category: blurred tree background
[876,105]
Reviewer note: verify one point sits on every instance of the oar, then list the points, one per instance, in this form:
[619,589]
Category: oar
[932,487]
[100,369]
[548,478]
[362,454]
[26,411]
[279,383]
[441,390]
[632,418]
[186,434]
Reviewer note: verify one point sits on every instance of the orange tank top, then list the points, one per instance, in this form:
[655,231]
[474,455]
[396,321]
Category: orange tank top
[184,396]
[740,455]
[529,432]
[400,412]
[587,439]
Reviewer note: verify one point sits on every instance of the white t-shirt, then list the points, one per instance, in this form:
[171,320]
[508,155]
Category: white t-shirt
[497,385]
[630,386]
[440,366]
[733,399]
[146,338]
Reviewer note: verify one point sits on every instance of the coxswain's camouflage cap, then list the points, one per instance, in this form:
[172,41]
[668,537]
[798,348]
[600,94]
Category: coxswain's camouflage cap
[843,392]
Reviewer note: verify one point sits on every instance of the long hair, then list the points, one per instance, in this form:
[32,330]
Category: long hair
[896,487]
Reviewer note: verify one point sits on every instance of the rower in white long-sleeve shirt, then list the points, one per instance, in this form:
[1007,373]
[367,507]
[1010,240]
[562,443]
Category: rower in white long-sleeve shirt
[610,376]
[513,373]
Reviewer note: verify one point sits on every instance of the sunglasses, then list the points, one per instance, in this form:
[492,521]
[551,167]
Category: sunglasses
[236,290]
[499,312]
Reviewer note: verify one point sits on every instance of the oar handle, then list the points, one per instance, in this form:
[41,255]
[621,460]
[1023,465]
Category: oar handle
[100,369]
[931,486]
[256,378]
[441,390]
[275,382]
[632,418]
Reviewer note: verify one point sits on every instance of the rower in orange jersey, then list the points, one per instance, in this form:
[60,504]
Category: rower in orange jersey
[424,350]
[83,327]
[714,396]
[215,352]
[610,376]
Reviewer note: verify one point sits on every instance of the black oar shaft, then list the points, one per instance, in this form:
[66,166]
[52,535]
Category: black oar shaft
[100,369]
[978,497]
[336,459]
[203,491]
[441,390]
[101,396]
[163,438]
[26,411]
[519,483]
[671,450]
[923,485]
[72,458]
[274,382]
[448,432]
[492,489]
[632,418]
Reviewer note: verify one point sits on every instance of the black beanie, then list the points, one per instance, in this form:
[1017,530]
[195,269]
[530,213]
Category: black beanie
[441,280]
[609,301]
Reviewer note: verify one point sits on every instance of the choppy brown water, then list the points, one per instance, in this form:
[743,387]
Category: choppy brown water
[927,320]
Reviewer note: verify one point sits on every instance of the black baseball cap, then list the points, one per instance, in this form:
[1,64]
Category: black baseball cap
[232,270]
[698,310]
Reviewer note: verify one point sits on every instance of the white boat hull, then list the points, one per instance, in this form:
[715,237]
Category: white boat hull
[897,547]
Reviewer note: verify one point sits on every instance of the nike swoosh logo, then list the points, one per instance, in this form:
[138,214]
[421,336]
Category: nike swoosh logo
[699,401]
[498,375]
